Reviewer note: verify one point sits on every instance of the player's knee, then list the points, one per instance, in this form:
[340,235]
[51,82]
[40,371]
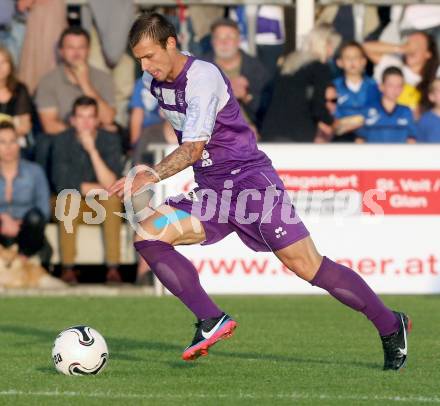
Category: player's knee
[175,227]
[304,268]
[304,264]
[302,258]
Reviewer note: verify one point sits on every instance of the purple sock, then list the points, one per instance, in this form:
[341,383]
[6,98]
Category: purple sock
[350,289]
[179,276]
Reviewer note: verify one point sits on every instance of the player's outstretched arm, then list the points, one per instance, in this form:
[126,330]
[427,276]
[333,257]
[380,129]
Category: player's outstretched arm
[182,157]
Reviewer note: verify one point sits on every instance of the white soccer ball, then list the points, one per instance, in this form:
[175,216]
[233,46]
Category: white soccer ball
[80,350]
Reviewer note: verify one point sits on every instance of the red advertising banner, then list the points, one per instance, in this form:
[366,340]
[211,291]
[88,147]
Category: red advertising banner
[406,192]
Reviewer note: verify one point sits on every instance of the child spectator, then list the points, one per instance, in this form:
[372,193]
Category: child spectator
[356,91]
[417,57]
[387,121]
[428,128]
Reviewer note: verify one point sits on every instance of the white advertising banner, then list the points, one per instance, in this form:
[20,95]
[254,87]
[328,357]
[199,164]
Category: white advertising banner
[374,208]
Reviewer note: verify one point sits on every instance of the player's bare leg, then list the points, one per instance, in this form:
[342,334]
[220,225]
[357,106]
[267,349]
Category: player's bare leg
[163,230]
[349,288]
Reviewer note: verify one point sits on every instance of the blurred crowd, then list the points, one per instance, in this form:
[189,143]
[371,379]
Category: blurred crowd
[74,113]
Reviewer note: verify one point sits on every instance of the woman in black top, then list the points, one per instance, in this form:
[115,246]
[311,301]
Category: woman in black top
[298,101]
[15,102]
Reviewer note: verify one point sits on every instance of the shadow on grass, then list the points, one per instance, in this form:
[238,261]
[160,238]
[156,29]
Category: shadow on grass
[121,347]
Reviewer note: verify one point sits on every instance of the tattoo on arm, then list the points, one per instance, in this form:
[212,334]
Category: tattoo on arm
[179,159]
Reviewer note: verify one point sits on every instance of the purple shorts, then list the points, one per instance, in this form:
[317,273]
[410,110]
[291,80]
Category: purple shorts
[254,204]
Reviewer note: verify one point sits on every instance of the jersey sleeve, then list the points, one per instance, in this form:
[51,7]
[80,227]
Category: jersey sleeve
[206,95]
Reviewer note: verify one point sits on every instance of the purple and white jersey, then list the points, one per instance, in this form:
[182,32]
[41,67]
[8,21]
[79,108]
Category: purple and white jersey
[200,106]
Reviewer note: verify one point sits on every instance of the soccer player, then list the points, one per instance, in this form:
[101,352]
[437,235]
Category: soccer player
[387,121]
[216,141]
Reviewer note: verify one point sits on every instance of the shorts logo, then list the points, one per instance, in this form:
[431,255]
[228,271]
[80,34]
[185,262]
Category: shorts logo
[279,232]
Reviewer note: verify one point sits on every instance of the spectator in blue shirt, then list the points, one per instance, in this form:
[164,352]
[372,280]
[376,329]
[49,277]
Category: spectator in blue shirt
[356,91]
[387,121]
[428,127]
[144,108]
[146,124]
[24,197]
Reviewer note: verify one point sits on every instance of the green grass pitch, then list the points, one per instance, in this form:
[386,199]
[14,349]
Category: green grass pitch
[307,350]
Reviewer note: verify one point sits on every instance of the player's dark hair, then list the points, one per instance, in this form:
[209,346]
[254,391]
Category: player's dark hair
[73,30]
[84,101]
[224,22]
[154,26]
[392,71]
[351,44]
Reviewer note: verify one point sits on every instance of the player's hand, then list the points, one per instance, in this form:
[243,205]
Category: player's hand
[141,180]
